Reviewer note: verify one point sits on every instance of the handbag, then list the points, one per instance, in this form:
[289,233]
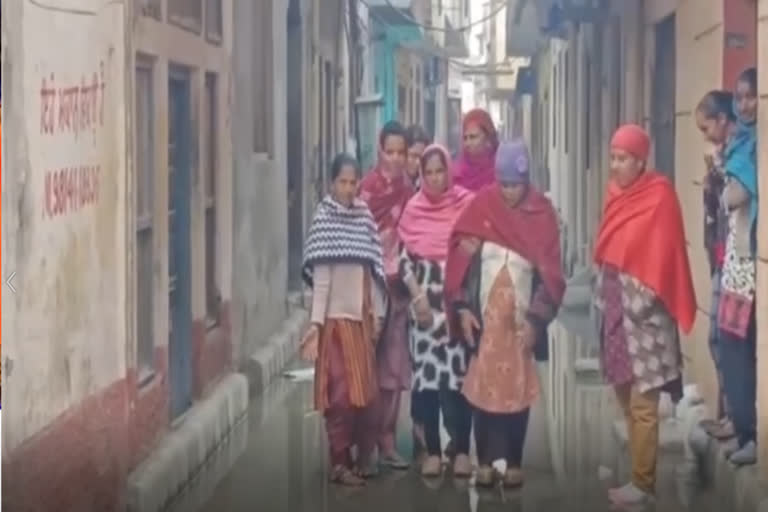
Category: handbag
[734,313]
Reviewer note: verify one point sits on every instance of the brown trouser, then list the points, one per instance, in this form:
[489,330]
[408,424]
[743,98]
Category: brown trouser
[641,411]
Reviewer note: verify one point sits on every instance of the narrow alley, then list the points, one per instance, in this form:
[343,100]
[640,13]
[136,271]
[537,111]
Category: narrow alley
[179,175]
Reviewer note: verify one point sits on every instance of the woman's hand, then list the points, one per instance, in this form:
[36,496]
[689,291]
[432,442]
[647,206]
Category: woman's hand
[470,244]
[527,336]
[310,344]
[469,325]
[423,312]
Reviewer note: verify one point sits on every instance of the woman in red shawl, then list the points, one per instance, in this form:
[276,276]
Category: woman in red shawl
[474,169]
[439,361]
[387,189]
[503,277]
[643,292]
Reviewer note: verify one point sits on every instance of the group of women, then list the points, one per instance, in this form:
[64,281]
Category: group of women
[728,121]
[437,277]
[441,277]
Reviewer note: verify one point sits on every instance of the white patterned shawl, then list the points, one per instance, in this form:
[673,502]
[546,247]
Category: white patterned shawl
[342,235]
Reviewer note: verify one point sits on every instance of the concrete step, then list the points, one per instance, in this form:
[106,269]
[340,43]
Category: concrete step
[183,453]
[269,360]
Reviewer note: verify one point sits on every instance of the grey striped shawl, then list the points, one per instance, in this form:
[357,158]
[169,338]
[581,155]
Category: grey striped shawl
[342,235]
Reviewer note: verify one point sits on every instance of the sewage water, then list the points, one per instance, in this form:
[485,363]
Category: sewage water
[277,460]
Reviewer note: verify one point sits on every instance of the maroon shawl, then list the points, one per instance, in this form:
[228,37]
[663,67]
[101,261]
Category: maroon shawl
[530,229]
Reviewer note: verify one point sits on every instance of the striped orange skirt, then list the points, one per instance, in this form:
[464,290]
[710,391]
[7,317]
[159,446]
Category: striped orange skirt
[345,370]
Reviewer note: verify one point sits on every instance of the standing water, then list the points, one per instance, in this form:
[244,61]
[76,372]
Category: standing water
[277,458]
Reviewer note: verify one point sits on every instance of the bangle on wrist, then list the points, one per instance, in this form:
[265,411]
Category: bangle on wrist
[418,297]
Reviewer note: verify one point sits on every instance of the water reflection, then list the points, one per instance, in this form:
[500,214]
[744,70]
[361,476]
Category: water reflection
[284,464]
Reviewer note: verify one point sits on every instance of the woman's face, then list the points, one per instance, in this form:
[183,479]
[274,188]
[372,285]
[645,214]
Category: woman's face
[746,101]
[513,193]
[435,174]
[414,160]
[715,130]
[625,168]
[344,187]
[475,139]
[395,152]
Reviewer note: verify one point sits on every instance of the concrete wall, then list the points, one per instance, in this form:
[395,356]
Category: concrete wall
[260,211]
[762,272]
[63,211]
[700,33]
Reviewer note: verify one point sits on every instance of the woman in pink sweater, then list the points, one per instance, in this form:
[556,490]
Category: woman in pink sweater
[343,266]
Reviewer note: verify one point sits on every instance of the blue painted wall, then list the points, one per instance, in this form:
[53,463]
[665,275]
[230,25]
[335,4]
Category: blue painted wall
[387,39]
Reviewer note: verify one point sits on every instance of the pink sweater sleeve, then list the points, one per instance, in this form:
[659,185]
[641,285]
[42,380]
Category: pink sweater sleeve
[320,293]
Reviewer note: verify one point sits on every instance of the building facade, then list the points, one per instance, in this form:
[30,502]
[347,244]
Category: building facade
[601,64]
[121,181]
[166,159]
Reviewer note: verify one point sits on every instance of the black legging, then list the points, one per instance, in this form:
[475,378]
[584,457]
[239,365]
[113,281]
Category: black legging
[426,408]
[500,436]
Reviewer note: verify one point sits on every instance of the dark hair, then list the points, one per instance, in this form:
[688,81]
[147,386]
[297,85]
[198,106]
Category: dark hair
[392,128]
[416,134]
[749,77]
[717,103]
[342,160]
[430,153]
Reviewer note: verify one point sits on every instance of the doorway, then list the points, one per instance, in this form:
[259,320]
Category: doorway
[663,96]
[179,272]
[295,136]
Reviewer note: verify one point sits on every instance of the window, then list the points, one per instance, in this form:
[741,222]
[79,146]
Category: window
[143,184]
[262,79]
[214,21]
[555,104]
[151,8]
[402,101]
[187,14]
[212,291]
[566,99]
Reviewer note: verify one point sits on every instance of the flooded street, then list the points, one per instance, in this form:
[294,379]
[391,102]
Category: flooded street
[277,461]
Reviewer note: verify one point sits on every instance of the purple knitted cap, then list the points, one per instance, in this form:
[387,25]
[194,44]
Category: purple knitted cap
[512,162]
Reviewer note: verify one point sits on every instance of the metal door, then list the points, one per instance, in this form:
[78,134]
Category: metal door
[179,191]
[664,97]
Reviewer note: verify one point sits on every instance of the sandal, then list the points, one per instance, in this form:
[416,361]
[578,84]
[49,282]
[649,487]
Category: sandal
[513,478]
[432,467]
[344,476]
[462,466]
[485,477]
[724,432]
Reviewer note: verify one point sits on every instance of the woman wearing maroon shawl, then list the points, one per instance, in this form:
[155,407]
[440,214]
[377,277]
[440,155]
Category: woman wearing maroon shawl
[503,277]
[474,169]
[387,189]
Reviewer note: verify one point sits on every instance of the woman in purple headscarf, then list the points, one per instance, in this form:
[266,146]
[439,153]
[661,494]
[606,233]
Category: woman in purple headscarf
[505,283]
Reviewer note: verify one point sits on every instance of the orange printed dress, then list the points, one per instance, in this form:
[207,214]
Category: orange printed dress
[502,376]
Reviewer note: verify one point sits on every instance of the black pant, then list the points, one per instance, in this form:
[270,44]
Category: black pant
[501,436]
[738,363]
[426,408]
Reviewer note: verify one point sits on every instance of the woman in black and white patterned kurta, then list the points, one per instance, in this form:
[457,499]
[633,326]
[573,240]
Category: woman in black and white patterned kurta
[439,363]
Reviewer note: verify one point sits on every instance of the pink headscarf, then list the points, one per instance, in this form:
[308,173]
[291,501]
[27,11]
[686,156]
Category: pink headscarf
[476,171]
[426,224]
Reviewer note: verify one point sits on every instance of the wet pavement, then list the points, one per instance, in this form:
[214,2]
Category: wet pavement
[276,460]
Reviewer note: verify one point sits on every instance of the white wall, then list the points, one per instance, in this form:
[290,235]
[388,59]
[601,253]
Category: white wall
[65,326]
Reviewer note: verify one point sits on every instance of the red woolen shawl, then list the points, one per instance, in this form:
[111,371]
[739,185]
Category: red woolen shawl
[642,234]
